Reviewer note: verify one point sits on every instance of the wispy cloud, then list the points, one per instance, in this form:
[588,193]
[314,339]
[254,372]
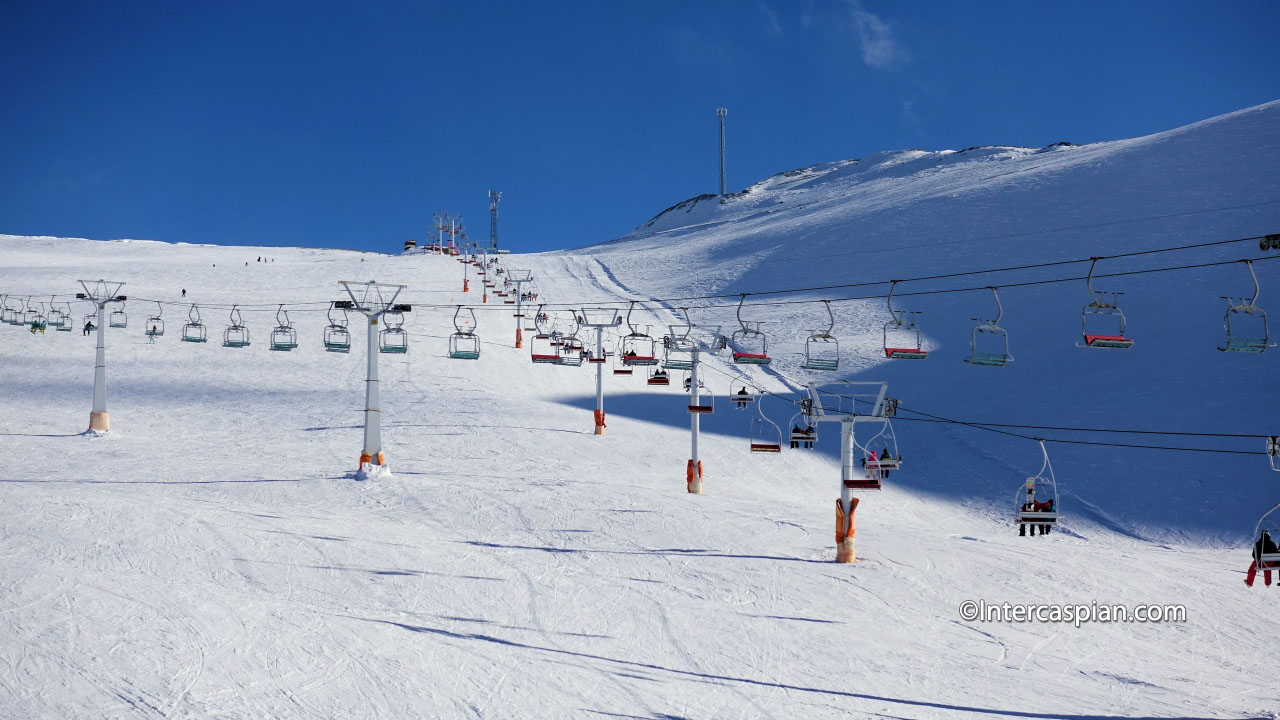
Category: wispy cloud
[875,38]
[771,18]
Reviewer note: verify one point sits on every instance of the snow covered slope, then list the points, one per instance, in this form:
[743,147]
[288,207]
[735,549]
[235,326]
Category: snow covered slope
[213,558]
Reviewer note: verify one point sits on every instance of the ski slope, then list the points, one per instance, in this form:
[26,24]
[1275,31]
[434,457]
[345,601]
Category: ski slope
[212,556]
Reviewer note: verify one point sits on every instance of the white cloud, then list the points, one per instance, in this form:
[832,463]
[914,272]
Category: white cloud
[771,16]
[875,38]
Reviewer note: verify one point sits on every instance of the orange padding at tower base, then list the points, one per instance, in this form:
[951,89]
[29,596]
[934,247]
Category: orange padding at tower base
[692,473]
[600,419]
[845,526]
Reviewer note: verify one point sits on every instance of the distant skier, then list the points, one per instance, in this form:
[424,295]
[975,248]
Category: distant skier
[184,292]
[87,327]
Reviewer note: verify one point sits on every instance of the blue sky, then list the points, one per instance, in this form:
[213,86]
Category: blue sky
[331,124]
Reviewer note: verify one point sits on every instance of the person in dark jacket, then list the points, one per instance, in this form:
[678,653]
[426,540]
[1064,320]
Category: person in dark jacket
[1264,546]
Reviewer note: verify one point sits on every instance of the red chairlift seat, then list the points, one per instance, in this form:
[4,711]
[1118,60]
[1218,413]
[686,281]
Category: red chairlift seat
[1108,341]
[639,360]
[744,358]
[539,358]
[702,409]
[906,353]
[622,371]
[766,447]
[871,483]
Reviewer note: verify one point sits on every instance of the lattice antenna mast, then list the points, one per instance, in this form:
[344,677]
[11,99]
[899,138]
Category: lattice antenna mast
[373,300]
[494,197]
[100,293]
[720,113]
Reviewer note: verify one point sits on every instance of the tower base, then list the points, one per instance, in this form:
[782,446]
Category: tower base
[99,421]
[693,478]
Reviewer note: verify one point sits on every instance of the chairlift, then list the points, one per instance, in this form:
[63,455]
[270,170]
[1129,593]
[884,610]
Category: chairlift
[1107,330]
[906,340]
[54,318]
[64,318]
[155,324]
[706,399]
[1254,336]
[821,349]
[751,347]
[1030,510]
[677,349]
[1265,553]
[32,316]
[637,348]
[464,344]
[571,351]
[283,338]
[393,338]
[743,397]
[658,376]
[620,367]
[765,436]
[876,465]
[193,331]
[236,335]
[337,338]
[543,349]
[989,343]
[803,433]
[7,313]
[118,318]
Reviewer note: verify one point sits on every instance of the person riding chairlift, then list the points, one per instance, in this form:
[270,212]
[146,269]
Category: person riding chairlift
[1264,546]
[742,398]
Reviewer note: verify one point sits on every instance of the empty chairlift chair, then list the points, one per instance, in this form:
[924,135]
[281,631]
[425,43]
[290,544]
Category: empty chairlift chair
[902,336]
[1102,324]
[194,331]
[1245,322]
[705,404]
[464,344]
[283,338]
[750,346]
[337,338]
[118,318]
[31,317]
[236,335]
[54,318]
[393,338]
[1037,500]
[155,323]
[765,437]
[989,343]
[64,318]
[821,349]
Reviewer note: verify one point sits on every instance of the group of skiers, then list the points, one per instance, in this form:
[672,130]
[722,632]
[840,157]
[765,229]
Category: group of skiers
[1032,505]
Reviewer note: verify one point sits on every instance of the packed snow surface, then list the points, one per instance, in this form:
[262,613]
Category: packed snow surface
[214,557]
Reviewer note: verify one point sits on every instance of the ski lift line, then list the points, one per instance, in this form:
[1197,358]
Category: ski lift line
[993,427]
[1031,233]
[941,291]
[656,303]
[651,301]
